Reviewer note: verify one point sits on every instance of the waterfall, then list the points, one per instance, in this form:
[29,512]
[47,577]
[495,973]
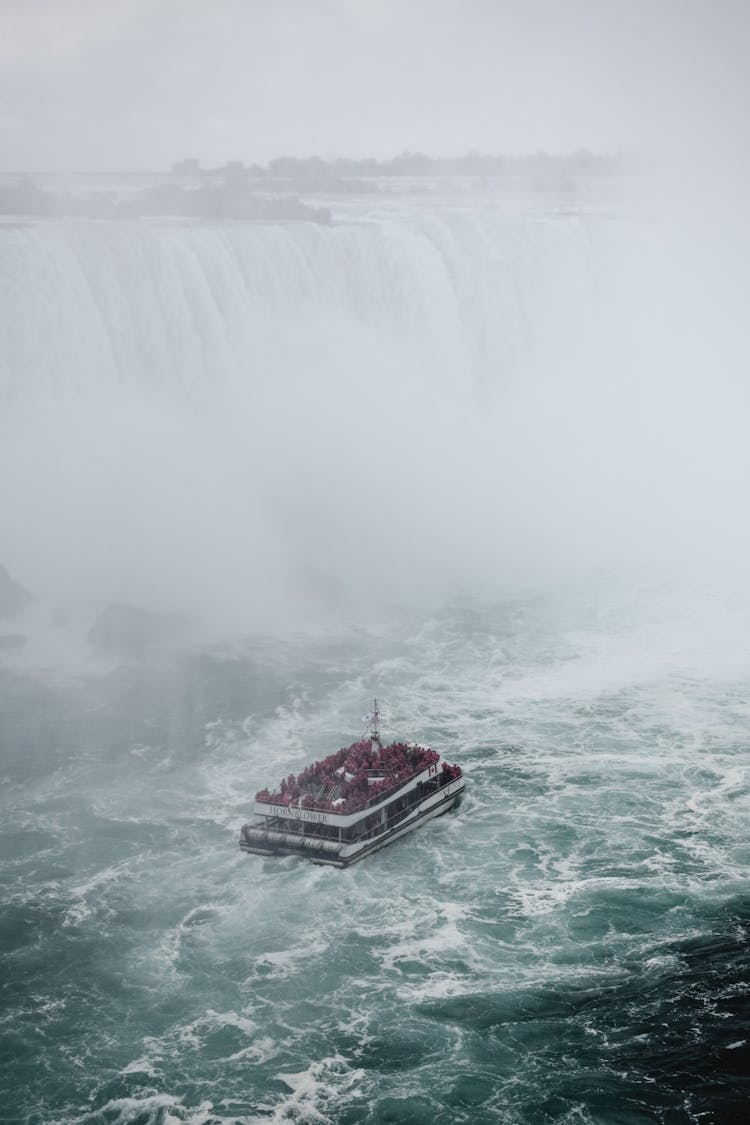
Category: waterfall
[414,394]
[462,299]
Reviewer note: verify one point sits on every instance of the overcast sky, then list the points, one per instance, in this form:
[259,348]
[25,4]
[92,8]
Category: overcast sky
[128,84]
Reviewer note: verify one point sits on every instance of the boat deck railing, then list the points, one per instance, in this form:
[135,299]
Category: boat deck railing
[396,818]
[441,777]
[324,838]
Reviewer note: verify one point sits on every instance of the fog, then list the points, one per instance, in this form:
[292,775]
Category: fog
[143,82]
[451,384]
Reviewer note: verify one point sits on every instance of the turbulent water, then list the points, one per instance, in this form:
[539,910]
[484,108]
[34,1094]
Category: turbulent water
[393,433]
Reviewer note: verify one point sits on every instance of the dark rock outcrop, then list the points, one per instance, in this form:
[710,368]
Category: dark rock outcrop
[126,629]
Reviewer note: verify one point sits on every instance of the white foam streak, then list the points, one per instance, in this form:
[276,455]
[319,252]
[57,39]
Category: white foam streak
[315,1089]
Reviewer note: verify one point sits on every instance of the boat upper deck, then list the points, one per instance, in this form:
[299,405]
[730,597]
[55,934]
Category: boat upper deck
[353,779]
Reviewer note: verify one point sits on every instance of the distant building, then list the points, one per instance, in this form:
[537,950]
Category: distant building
[190,166]
[234,172]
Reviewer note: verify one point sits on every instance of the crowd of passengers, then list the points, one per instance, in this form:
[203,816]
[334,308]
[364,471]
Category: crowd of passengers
[341,782]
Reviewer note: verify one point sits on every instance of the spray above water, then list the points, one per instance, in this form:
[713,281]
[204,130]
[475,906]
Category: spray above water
[243,422]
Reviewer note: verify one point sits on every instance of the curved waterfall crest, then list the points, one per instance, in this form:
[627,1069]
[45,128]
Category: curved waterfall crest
[173,308]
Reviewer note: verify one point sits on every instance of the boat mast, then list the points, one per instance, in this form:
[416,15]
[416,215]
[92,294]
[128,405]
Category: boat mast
[374,720]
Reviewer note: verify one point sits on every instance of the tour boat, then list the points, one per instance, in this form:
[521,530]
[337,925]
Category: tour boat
[354,802]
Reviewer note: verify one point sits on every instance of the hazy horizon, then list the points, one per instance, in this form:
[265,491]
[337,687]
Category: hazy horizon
[138,84]
[625,157]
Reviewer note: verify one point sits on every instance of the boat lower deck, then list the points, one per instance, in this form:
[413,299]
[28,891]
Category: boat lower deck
[271,839]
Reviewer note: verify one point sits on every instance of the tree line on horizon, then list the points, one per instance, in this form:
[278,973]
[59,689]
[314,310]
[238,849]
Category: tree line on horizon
[314,170]
[271,192]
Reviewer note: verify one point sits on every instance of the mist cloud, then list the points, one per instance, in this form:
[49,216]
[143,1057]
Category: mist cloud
[417,397]
[134,84]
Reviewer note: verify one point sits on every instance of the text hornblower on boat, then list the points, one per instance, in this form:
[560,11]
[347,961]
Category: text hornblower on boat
[353,802]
